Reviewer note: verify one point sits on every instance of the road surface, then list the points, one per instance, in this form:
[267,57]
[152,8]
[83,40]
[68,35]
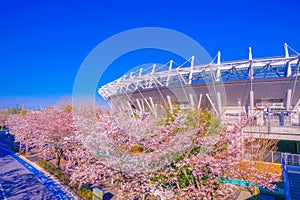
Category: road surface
[19,180]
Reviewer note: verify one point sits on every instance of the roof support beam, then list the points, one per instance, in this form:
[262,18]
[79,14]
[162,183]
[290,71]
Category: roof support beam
[170,69]
[191,72]
[218,73]
[296,106]
[288,68]
[153,106]
[170,104]
[180,76]
[200,101]
[192,104]
[139,105]
[212,104]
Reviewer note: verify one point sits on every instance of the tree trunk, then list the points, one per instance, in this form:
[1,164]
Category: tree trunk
[59,154]
[58,162]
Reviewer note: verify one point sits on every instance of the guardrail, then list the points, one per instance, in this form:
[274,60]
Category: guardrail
[291,159]
[273,157]
[276,157]
[275,118]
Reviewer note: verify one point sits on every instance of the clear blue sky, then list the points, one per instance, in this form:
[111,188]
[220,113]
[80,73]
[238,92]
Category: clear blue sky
[43,43]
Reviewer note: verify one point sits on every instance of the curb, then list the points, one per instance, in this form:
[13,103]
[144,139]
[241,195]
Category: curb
[52,178]
[55,181]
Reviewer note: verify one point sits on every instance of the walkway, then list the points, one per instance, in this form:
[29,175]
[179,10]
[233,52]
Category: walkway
[20,180]
[275,132]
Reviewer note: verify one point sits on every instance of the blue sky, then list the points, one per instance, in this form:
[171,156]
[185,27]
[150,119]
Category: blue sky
[43,43]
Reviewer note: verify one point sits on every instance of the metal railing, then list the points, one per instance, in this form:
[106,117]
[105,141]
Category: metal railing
[278,118]
[273,157]
[276,157]
[291,159]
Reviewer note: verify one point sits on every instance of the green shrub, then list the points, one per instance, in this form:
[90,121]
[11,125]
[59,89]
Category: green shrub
[15,149]
[86,192]
[60,175]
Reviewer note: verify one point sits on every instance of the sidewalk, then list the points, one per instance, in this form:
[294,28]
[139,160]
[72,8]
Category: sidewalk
[61,186]
[43,176]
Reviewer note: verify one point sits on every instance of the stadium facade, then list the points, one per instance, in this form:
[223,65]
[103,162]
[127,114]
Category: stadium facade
[225,87]
[264,89]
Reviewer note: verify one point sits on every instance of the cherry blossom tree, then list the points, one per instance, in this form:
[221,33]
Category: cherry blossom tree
[194,167]
[184,155]
[56,126]
[3,118]
[47,129]
[24,127]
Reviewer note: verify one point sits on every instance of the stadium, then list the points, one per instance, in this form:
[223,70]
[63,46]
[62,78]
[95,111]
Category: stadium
[266,90]
[229,88]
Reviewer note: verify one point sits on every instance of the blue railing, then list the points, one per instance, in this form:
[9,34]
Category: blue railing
[287,189]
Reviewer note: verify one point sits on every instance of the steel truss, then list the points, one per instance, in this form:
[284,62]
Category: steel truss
[168,75]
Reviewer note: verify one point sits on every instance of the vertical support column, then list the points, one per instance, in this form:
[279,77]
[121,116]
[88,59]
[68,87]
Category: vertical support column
[143,105]
[148,104]
[211,103]
[239,109]
[153,68]
[269,118]
[251,111]
[251,103]
[219,58]
[192,104]
[250,53]
[141,70]
[288,99]
[218,74]
[286,51]
[170,103]
[251,73]
[170,69]
[250,64]
[129,104]
[200,101]
[288,68]
[139,105]
[191,72]
[153,106]
[219,102]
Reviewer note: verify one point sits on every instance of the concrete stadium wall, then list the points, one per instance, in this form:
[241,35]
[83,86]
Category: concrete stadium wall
[264,89]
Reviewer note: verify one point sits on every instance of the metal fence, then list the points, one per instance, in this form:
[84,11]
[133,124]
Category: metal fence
[276,157]
[291,159]
[272,157]
[278,118]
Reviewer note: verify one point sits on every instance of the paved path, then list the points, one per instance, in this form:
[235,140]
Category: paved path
[20,180]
